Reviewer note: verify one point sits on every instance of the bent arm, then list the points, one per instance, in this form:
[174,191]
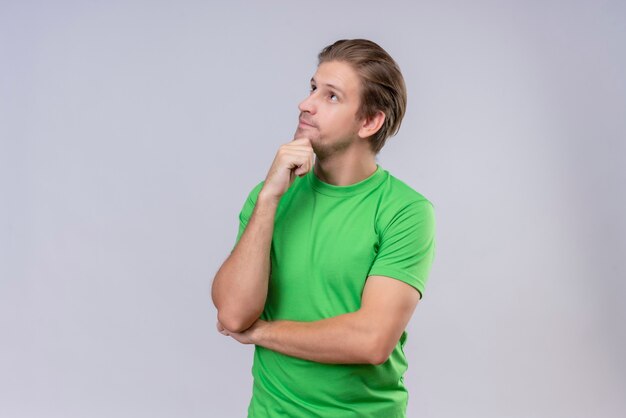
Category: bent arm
[367,336]
[239,289]
[343,339]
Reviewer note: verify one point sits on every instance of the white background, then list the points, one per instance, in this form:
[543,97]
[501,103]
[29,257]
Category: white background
[132,131]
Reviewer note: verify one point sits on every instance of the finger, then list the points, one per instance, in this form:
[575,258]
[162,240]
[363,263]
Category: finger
[303,168]
[303,141]
[297,155]
[300,139]
[297,150]
[310,162]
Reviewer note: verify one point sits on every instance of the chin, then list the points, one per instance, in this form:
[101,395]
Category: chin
[322,150]
[304,133]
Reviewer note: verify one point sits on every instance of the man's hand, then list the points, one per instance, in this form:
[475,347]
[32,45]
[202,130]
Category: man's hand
[245,337]
[295,158]
[366,336]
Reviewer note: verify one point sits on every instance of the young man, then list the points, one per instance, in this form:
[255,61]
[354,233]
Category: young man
[333,252]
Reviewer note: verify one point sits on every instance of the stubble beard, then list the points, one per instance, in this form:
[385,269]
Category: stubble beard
[321,148]
[324,150]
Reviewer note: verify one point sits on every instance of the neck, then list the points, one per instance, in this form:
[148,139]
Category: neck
[349,167]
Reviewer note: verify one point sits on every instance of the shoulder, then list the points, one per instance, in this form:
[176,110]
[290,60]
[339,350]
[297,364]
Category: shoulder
[398,194]
[401,203]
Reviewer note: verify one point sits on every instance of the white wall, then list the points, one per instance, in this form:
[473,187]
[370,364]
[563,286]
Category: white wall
[131,132]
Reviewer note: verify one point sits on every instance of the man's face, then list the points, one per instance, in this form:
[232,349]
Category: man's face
[328,114]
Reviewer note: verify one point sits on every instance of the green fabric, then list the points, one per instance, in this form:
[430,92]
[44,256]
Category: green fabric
[327,240]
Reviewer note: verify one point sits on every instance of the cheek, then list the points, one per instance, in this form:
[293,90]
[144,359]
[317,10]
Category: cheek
[337,121]
[341,120]
[347,124]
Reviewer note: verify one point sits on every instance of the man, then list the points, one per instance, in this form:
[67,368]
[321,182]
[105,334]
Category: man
[333,252]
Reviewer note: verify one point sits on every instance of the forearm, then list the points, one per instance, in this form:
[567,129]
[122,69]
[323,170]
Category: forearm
[344,339]
[240,286]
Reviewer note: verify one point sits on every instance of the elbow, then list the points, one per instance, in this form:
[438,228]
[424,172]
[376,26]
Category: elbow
[378,358]
[234,323]
[379,351]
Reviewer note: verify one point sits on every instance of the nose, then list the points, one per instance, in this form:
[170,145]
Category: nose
[308,104]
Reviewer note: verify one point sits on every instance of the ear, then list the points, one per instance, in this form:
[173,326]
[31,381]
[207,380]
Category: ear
[372,124]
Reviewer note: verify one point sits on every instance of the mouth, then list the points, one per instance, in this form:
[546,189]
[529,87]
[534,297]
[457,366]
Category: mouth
[304,124]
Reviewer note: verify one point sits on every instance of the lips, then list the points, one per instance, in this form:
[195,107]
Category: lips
[306,124]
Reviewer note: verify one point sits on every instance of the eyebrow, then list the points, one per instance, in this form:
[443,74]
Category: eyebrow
[332,86]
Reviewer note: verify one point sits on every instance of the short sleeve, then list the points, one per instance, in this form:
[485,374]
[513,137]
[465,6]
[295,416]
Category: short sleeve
[246,210]
[407,246]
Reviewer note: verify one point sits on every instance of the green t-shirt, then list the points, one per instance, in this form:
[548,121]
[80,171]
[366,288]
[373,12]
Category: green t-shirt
[327,240]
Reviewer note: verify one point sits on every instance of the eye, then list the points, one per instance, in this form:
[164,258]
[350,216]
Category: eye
[312,89]
[335,97]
